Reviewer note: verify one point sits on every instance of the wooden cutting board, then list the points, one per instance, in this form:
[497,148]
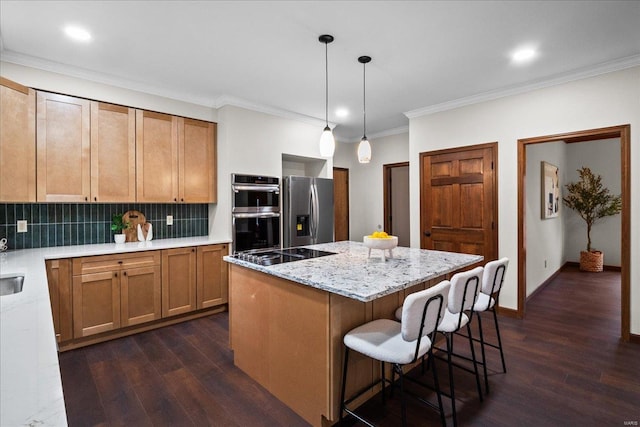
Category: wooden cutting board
[133,218]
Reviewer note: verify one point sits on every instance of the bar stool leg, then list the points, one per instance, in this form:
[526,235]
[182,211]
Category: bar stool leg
[484,359]
[475,363]
[495,319]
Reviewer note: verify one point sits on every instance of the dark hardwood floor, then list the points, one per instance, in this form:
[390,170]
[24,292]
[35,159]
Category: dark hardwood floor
[566,366]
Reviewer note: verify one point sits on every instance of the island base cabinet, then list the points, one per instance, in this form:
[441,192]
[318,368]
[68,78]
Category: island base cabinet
[279,334]
[289,338]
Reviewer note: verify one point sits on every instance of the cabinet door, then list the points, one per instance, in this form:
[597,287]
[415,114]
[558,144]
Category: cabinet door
[113,155]
[212,276]
[63,148]
[140,295]
[59,280]
[96,303]
[17,142]
[178,281]
[197,161]
[156,157]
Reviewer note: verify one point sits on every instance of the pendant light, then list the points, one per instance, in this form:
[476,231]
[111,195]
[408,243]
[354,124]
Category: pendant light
[364,148]
[327,142]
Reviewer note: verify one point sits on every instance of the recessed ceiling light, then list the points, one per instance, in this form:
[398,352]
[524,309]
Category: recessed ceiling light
[342,112]
[524,55]
[77,33]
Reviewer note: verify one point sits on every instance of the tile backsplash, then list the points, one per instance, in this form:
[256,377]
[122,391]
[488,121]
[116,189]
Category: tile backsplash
[66,224]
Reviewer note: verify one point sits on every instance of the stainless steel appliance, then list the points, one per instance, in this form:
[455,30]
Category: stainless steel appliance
[255,212]
[308,211]
[281,256]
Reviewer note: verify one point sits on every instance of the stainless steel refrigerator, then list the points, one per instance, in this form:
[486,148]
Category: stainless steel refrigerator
[307,206]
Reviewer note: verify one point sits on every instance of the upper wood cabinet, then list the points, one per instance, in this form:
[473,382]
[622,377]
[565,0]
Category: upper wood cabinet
[156,157]
[113,153]
[197,161]
[17,142]
[175,159]
[63,148]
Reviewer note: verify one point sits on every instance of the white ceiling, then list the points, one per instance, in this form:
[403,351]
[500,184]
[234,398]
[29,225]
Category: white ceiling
[427,55]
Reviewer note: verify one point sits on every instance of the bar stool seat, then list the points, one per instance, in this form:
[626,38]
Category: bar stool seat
[399,344]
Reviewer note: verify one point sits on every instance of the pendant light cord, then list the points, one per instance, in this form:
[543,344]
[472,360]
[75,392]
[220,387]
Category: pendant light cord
[364,98]
[326,83]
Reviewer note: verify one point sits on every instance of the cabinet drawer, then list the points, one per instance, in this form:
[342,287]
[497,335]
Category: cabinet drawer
[101,263]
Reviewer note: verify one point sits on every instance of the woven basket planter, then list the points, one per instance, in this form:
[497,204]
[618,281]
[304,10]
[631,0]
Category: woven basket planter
[591,261]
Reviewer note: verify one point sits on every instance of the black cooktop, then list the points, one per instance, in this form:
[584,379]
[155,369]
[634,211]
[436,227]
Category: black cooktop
[279,256]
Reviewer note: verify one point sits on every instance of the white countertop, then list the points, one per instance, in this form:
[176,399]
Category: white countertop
[30,384]
[351,273]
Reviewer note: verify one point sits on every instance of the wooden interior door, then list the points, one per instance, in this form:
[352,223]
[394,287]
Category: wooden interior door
[458,201]
[341,203]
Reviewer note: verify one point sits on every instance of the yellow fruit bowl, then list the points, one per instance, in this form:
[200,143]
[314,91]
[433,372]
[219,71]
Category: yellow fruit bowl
[389,242]
[384,243]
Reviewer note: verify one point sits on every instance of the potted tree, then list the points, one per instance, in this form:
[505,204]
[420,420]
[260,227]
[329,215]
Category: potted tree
[118,225]
[592,201]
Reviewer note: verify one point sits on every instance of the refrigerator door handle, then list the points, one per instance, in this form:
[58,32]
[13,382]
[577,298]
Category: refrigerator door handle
[315,213]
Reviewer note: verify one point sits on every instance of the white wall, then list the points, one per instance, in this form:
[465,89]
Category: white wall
[603,158]
[545,237]
[606,100]
[253,143]
[366,181]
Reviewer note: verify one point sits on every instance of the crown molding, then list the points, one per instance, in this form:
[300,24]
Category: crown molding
[102,78]
[389,132]
[604,68]
[235,101]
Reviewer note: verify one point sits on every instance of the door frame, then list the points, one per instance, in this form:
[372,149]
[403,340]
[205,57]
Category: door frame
[335,168]
[494,149]
[387,190]
[624,133]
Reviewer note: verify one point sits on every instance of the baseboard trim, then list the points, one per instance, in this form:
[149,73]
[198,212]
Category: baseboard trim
[634,338]
[509,312]
[604,267]
[545,283]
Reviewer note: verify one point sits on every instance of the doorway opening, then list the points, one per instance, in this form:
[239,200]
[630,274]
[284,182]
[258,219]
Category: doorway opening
[623,133]
[396,201]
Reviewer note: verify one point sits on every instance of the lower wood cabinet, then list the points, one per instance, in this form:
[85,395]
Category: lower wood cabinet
[212,276]
[102,297]
[59,279]
[114,291]
[178,281]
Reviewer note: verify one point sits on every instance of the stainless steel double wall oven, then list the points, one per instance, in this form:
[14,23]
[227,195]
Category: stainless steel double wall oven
[255,212]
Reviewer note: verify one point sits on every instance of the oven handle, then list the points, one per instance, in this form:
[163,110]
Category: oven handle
[257,215]
[269,188]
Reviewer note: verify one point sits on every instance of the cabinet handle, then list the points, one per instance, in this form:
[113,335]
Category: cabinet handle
[115,274]
[125,273]
[95,199]
[119,262]
[193,250]
[175,200]
[86,199]
[182,200]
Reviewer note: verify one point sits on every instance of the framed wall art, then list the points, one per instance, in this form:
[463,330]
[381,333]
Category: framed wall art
[550,191]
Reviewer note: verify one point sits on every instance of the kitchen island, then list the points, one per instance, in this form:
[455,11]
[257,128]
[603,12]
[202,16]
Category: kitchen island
[287,320]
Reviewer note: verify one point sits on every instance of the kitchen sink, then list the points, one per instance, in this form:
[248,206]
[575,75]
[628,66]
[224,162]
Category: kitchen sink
[11,285]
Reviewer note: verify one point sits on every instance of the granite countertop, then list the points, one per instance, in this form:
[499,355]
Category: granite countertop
[30,384]
[351,273]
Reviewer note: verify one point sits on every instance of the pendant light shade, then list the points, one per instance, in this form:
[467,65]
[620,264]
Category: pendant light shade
[327,142]
[364,148]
